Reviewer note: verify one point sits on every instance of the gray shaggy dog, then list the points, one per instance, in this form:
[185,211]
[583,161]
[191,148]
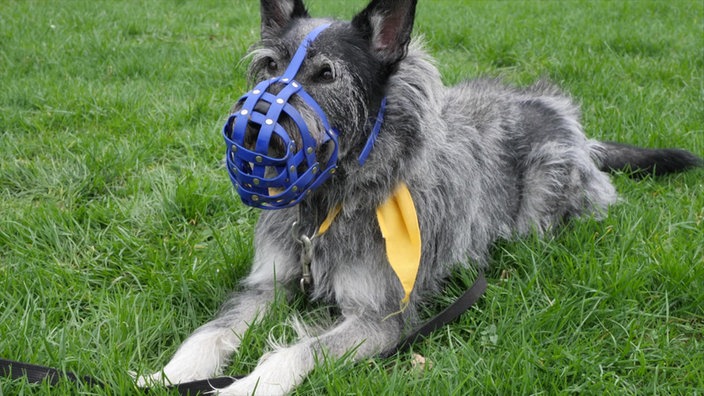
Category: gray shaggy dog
[482,162]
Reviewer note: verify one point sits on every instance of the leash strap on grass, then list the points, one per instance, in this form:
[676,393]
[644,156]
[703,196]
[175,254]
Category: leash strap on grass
[203,386]
[462,304]
[35,374]
[38,374]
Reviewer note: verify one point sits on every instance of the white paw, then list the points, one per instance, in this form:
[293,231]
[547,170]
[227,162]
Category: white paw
[252,386]
[277,374]
[171,375]
[145,381]
[201,356]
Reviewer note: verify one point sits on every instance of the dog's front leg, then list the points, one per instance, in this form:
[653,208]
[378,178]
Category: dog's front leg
[280,371]
[207,350]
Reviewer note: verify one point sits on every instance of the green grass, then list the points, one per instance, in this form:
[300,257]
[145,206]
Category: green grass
[120,232]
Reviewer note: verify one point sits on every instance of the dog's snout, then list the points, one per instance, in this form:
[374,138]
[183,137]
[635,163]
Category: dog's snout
[262,107]
[275,146]
[250,136]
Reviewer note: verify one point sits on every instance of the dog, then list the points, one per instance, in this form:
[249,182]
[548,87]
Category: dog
[369,126]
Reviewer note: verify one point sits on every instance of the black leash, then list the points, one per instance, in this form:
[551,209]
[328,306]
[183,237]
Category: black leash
[449,314]
[37,374]
[194,388]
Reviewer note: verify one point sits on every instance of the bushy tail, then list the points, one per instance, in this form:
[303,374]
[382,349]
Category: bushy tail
[641,162]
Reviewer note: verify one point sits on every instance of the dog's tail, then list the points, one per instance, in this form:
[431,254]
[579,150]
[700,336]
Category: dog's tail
[640,162]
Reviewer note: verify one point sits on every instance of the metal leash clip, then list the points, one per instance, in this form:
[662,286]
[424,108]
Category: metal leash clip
[306,255]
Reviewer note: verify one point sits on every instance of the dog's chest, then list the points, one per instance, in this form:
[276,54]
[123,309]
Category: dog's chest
[349,264]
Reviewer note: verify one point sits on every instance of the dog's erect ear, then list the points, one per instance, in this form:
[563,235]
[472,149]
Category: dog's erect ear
[388,25]
[278,13]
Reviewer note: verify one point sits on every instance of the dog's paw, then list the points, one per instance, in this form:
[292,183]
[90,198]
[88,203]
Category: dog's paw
[278,373]
[166,378]
[254,385]
[201,356]
[150,380]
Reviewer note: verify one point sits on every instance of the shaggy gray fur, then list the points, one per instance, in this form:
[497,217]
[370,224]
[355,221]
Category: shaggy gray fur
[483,161]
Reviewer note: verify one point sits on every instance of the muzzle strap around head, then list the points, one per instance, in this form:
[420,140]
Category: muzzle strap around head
[375,132]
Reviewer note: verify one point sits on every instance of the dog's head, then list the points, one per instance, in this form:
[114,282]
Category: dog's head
[318,88]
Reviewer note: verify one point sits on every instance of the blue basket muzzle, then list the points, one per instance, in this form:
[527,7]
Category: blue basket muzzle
[266,178]
[263,178]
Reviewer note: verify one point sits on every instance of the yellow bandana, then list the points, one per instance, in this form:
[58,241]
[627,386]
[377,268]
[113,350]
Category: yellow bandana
[328,220]
[399,226]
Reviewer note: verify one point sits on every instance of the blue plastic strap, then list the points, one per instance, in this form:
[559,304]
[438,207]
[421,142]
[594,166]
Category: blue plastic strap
[301,52]
[375,132]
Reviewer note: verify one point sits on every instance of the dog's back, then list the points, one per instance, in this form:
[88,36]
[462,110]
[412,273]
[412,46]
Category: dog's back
[494,161]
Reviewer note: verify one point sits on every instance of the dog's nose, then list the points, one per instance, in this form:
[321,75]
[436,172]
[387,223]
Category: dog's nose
[262,107]
[252,132]
[276,147]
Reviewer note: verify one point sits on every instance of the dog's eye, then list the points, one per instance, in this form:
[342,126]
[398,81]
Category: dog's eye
[272,66]
[325,74]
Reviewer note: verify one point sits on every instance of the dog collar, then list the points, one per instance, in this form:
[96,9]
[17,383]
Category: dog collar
[268,182]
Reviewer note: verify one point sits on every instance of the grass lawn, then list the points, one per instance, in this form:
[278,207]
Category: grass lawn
[120,232]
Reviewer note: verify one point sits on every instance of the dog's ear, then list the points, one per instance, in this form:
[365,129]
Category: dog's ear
[278,13]
[388,25]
